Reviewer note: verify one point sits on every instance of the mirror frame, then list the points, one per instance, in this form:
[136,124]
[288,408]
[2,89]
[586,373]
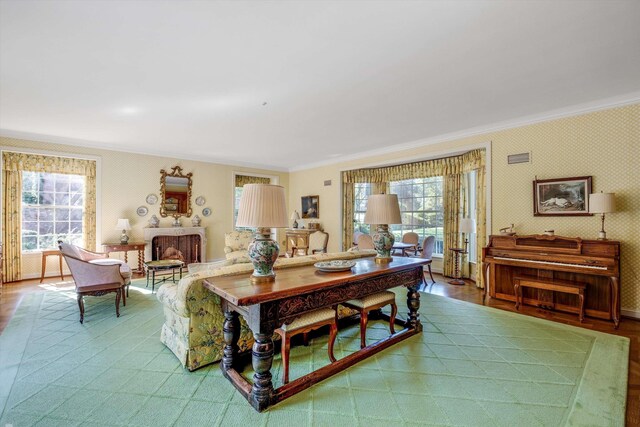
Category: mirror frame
[176,172]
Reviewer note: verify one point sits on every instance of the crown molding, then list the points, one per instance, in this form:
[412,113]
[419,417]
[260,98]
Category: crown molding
[572,111]
[8,133]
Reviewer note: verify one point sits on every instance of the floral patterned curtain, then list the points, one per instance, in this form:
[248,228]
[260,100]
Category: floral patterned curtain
[481,220]
[241,180]
[348,190]
[13,164]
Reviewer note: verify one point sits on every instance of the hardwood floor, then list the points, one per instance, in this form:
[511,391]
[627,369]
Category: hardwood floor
[12,294]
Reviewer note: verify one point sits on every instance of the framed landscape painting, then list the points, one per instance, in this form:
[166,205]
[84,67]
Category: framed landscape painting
[561,197]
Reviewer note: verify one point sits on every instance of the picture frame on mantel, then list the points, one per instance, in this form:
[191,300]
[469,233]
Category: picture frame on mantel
[562,196]
[310,206]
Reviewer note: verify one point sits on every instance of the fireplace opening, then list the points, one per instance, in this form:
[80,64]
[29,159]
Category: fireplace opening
[184,248]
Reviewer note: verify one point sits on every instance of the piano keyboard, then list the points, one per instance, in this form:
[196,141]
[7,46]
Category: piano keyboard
[592,267]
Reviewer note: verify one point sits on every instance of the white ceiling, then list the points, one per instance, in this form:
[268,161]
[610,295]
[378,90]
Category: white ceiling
[288,84]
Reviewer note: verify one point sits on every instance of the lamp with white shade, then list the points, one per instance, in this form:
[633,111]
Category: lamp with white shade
[382,210]
[466,227]
[602,203]
[295,216]
[262,206]
[123,224]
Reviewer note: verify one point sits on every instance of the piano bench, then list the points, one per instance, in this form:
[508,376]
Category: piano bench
[557,285]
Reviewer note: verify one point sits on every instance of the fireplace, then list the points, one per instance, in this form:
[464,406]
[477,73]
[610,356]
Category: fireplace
[186,244]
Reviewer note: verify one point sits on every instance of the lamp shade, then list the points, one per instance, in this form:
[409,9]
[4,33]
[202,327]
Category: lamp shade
[262,205]
[123,224]
[467,225]
[602,202]
[382,209]
[295,215]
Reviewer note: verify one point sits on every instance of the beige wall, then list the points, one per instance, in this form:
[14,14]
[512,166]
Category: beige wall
[125,181]
[605,145]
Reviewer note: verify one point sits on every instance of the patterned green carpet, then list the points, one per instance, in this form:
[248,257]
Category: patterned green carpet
[472,366]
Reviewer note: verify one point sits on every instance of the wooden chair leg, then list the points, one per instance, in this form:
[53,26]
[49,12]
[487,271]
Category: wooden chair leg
[118,293]
[364,318]
[431,275]
[124,297]
[286,346]
[333,332]
[81,306]
[305,338]
[392,319]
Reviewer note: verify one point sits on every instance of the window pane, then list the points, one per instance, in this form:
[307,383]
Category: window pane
[29,243]
[75,214]
[29,214]
[62,227]
[76,199]
[46,198]
[47,242]
[75,227]
[46,214]
[62,199]
[46,182]
[45,227]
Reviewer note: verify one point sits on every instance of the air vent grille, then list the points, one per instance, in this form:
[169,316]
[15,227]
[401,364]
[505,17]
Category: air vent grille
[514,159]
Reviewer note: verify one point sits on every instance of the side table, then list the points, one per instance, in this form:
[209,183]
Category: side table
[45,254]
[119,247]
[456,272]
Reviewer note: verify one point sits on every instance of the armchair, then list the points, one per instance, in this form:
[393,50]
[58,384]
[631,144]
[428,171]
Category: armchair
[96,274]
[318,242]
[236,244]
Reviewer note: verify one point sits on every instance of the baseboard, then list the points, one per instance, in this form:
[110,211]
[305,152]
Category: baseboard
[635,314]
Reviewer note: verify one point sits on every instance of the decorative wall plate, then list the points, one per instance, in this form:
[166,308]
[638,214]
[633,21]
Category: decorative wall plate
[152,199]
[200,200]
[206,211]
[142,211]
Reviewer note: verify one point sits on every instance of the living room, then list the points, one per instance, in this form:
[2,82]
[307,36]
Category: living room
[566,129]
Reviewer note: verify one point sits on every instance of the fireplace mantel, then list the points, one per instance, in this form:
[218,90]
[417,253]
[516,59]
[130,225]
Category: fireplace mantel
[149,233]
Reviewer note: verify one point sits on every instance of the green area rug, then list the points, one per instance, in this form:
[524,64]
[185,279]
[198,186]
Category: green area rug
[472,365]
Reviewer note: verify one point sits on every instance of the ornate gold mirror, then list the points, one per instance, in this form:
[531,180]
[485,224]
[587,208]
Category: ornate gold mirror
[175,190]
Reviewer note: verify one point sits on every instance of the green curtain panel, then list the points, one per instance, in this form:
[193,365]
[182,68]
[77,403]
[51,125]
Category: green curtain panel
[241,180]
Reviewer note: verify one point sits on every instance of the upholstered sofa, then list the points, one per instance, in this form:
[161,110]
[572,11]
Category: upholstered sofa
[193,317]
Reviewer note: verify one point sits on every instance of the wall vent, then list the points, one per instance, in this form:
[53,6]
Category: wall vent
[327,182]
[514,159]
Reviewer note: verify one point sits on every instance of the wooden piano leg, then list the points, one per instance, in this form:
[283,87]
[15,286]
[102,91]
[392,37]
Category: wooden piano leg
[615,301]
[516,291]
[485,276]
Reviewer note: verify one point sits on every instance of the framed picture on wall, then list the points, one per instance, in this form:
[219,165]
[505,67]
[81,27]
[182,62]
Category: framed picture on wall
[561,197]
[310,207]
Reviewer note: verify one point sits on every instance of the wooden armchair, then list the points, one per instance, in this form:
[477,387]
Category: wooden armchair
[96,274]
[318,242]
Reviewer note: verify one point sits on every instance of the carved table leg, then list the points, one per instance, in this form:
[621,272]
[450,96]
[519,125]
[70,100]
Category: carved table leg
[413,302]
[485,276]
[262,357]
[231,334]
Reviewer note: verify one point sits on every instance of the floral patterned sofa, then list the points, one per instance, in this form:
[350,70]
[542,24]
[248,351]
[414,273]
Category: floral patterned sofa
[193,317]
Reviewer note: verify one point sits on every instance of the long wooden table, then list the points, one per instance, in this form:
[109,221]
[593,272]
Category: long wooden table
[296,290]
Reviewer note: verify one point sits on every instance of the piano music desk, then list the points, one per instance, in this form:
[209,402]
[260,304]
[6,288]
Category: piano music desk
[549,284]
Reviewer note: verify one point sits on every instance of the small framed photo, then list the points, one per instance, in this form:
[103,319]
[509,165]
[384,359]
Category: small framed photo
[562,197]
[311,207]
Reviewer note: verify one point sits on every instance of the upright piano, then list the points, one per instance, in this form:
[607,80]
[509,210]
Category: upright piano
[595,263]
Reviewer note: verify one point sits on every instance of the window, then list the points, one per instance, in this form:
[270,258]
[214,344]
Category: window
[52,209]
[236,204]
[421,208]
[362,191]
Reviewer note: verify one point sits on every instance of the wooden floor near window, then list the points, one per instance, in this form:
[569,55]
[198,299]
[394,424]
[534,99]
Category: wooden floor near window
[12,294]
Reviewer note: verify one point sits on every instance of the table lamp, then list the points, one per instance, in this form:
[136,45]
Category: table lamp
[262,206]
[382,210]
[467,226]
[295,216]
[123,224]
[602,203]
